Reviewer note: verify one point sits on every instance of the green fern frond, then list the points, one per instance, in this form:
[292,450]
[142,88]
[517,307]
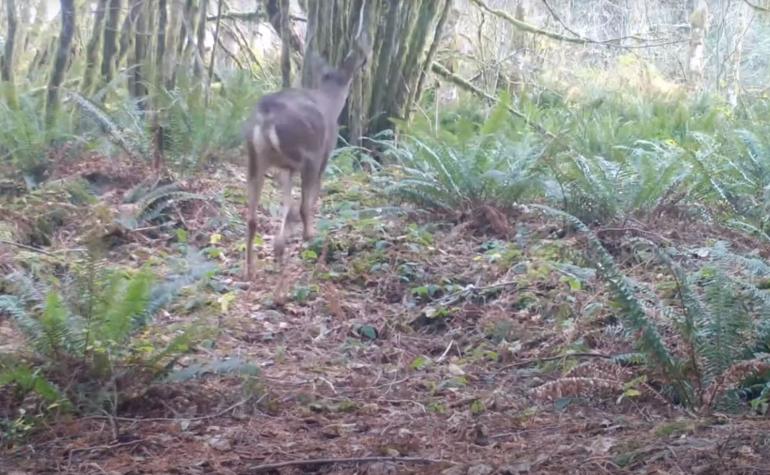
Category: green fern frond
[14,306]
[56,339]
[216,366]
[114,132]
[634,317]
[128,304]
[30,380]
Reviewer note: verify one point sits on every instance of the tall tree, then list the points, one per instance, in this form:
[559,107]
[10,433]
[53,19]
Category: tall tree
[210,77]
[285,39]
[60,61]
[109,45]
[136,80]
[697,53]
[200,39]
[174,31]
[7,70]
[92,48]
[742,17]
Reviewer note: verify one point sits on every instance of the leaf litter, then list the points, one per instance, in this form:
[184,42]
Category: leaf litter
[403,346]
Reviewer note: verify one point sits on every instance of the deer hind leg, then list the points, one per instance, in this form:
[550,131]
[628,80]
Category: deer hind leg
[255,181]
[279,245]
[311,185]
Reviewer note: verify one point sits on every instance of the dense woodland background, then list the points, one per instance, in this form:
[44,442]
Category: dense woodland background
[544,239]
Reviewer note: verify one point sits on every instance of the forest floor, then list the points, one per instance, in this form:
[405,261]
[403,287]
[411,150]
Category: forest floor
[400,336]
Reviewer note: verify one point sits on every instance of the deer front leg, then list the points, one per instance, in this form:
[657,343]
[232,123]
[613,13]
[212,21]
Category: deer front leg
[279,245]
[255,182]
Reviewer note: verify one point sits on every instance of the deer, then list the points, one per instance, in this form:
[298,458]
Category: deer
[295,130]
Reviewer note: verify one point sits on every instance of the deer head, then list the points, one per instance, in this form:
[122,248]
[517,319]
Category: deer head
[337,81]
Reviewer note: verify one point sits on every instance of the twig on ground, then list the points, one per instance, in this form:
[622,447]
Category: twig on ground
[27,248]
[337,461]
[529,361]
[172,419]
[632,229]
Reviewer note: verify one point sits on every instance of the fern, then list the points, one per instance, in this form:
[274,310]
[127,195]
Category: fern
[151,203]
[447,176]
[30,380]
[634,317]
[95,343]
[133,142]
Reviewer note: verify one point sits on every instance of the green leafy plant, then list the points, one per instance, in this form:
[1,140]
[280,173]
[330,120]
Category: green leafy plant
[452,173]
[723,324]
[91,342]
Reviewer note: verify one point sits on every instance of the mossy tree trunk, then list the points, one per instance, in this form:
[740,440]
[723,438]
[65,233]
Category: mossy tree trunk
[697,52]
[126,30]
[733,71]
[60,61]
[285,43]
[92,48]
[400,29]
[136,80]
[9,52]
[210,76]
[110,43]
[159,82]
[200,39]
[174,31]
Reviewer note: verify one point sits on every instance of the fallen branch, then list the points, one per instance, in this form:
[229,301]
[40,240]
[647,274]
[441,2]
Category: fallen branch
[457,80]
[757,7]
[544,359]
[26,247]
[581,40]
[337,461]
[249,16]
[175,419]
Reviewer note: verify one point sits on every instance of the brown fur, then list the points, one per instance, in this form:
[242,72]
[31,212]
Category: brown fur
[295,131]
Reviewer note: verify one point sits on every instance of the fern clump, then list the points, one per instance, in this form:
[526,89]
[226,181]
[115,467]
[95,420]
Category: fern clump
[464,171]
[87,338]
[720,325]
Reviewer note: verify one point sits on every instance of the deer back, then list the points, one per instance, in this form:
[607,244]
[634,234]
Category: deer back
[292,125]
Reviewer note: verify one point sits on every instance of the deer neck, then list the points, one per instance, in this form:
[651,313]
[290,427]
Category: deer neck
[332,100]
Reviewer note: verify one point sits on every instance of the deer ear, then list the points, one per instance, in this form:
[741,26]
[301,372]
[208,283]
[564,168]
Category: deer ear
[359,55]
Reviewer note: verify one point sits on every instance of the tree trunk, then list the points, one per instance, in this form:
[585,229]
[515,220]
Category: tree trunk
[431,54]
[273,9]
[7,72]
[697,54]
[172,42]
[742,12]
[158,132]
[400,30]
[60,62]
[160,44]
[136,80]
[285,39]
[201,39]
[214,51]
[126,30]
[109,45]
[92,48]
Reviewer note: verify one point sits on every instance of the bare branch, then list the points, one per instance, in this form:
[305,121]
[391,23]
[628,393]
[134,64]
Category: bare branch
[757,7]
[524,26]
[457,80]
